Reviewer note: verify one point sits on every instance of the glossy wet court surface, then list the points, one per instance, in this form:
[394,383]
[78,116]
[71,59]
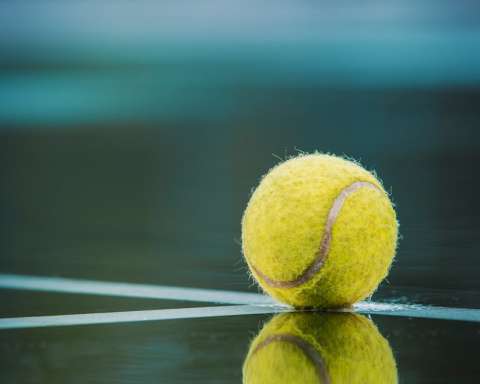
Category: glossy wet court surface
[122,265]
[171,334]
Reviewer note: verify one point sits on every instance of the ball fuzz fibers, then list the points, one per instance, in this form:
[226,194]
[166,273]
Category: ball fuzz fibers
[328,348]
[319,231]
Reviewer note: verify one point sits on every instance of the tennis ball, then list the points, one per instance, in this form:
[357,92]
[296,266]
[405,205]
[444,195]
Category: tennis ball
[320,348]
[319,231]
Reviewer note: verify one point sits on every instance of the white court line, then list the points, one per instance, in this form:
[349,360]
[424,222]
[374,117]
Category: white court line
[136,316]
[145,291]
[247,303]
[418,311]
[399,310]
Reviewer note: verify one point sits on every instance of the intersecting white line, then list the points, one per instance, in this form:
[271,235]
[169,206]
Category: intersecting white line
[137,316]
[145,291]
[229,310]
[418,311]
[241,304]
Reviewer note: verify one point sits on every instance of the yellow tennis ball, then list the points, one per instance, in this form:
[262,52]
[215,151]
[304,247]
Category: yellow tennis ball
[319,231]
[323,348]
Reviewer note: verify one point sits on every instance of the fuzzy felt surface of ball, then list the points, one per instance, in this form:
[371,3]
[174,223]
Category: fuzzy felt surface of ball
[328,348]
[319,231]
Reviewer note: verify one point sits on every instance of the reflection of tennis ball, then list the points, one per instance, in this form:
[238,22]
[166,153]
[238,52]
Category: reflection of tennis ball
[319,348]
[319,231]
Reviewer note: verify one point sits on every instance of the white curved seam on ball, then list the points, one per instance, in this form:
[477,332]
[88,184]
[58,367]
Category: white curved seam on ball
[324,248]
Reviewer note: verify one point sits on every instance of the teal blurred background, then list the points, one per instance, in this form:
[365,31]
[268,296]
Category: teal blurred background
[131,133]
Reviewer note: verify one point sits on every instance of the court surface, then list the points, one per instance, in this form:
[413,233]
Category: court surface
[175,334]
